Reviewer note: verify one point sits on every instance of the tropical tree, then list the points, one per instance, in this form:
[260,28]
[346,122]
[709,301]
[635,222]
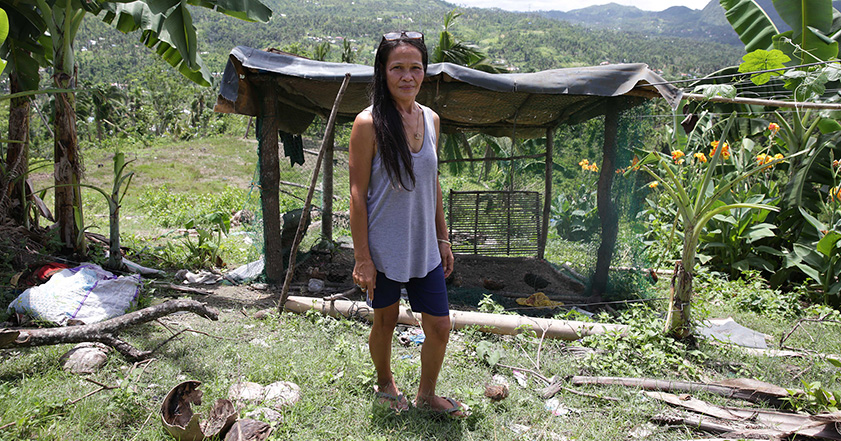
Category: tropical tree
[166,26]
[24,52]
[452,50]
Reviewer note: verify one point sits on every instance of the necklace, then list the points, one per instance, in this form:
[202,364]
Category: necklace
[417,133]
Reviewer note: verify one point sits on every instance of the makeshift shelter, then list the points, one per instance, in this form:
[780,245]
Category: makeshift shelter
[286,92]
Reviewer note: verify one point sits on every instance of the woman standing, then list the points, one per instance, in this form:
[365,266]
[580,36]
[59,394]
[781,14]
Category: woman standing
[397,217]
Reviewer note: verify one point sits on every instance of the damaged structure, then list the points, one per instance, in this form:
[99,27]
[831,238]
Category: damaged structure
[285,93]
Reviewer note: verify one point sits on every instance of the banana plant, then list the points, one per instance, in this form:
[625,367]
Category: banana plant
[697,197]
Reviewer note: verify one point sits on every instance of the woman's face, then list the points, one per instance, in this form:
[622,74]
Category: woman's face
[404,72]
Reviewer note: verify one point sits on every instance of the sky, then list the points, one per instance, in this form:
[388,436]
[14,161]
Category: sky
[566,5]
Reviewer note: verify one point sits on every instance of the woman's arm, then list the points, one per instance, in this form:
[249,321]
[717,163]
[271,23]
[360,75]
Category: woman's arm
[444,245]
[361,154]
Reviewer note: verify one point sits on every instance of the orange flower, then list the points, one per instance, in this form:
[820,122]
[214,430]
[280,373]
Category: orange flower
[762,159]
[585,164]
[701,157]
[635,163]
[593,168]
[835,194]
[779,156]
[725,151]
[836,163]
[653,184]
[676,155]
[773,128]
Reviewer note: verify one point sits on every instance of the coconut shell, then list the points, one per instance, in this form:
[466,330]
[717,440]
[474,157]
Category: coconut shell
[249,430]
[180,422]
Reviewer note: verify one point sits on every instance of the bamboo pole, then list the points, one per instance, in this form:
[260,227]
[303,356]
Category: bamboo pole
[328,137]
[547,193]
[491,323]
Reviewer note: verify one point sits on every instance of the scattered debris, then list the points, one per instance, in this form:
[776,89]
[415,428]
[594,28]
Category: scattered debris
[104,332]
[498,390]
[84,358]
[275,395]
[87,293]
[249,430]
[557,408]
[180,422]
[264,313]
[538,299]
[728,331]
[411,336]
[315,285]
[743,389]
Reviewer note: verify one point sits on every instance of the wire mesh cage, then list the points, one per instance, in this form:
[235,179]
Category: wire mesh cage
[495,223]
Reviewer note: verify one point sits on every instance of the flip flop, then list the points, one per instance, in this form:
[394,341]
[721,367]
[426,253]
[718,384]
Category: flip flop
[450,411]
[397,403]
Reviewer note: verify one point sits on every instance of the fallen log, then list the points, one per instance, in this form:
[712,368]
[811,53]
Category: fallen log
[492,323]
[779,424]
[749,390]
[104,332]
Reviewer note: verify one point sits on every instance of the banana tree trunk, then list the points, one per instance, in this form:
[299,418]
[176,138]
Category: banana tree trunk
[678,320]
[13,191]
[68,166]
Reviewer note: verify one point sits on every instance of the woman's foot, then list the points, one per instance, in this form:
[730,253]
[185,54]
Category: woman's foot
[390,396]
[443,405]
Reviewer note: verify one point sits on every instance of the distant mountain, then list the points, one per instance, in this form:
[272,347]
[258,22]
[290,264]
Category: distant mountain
[708,24]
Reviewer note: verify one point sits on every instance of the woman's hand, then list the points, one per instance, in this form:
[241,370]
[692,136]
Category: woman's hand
[365,277]
[447,259]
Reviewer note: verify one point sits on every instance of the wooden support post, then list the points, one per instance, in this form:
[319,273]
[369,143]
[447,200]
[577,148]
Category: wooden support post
[267,124]
[607,210]
[547,193]
[327,188]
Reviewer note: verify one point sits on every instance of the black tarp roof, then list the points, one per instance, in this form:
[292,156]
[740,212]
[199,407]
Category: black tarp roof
[513,104]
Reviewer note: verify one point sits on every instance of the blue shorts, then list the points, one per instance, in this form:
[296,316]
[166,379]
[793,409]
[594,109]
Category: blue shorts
[426,294]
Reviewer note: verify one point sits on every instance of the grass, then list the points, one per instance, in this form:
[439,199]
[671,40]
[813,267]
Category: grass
[328,359]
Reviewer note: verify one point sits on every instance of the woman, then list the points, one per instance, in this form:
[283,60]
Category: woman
[397,217]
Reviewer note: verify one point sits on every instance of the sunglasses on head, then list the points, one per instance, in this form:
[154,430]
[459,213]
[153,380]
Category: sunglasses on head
[410,35]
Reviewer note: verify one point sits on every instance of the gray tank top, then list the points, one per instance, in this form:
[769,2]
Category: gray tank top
[401,223]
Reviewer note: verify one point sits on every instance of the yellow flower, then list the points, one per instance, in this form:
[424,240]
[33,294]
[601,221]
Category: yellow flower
[701,157]
[779,156]
[773,128]
[835,194]
[653,184]
[677,154]
[584,164]
[593,168]
[762,159]
[725,151]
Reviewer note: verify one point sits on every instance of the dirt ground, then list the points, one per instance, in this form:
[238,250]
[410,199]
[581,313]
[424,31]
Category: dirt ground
[504,278]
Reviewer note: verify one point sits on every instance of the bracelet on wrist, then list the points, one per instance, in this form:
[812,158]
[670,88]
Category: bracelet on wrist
[445,241]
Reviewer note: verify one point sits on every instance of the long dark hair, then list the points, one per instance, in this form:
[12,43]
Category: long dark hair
[390,133]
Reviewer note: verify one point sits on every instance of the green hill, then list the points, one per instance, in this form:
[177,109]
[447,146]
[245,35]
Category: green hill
[520,41]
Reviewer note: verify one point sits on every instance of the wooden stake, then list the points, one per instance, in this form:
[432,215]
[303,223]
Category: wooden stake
[328,137]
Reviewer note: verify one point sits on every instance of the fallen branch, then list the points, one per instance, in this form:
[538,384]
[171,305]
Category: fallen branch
[102,387]
[186,289]
[552,389]
[754,395]
[104,332]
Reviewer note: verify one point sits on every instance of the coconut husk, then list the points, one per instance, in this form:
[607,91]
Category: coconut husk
[249,430]
[180,422]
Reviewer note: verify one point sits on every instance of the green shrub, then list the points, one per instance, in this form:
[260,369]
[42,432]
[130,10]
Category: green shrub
[171,210]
